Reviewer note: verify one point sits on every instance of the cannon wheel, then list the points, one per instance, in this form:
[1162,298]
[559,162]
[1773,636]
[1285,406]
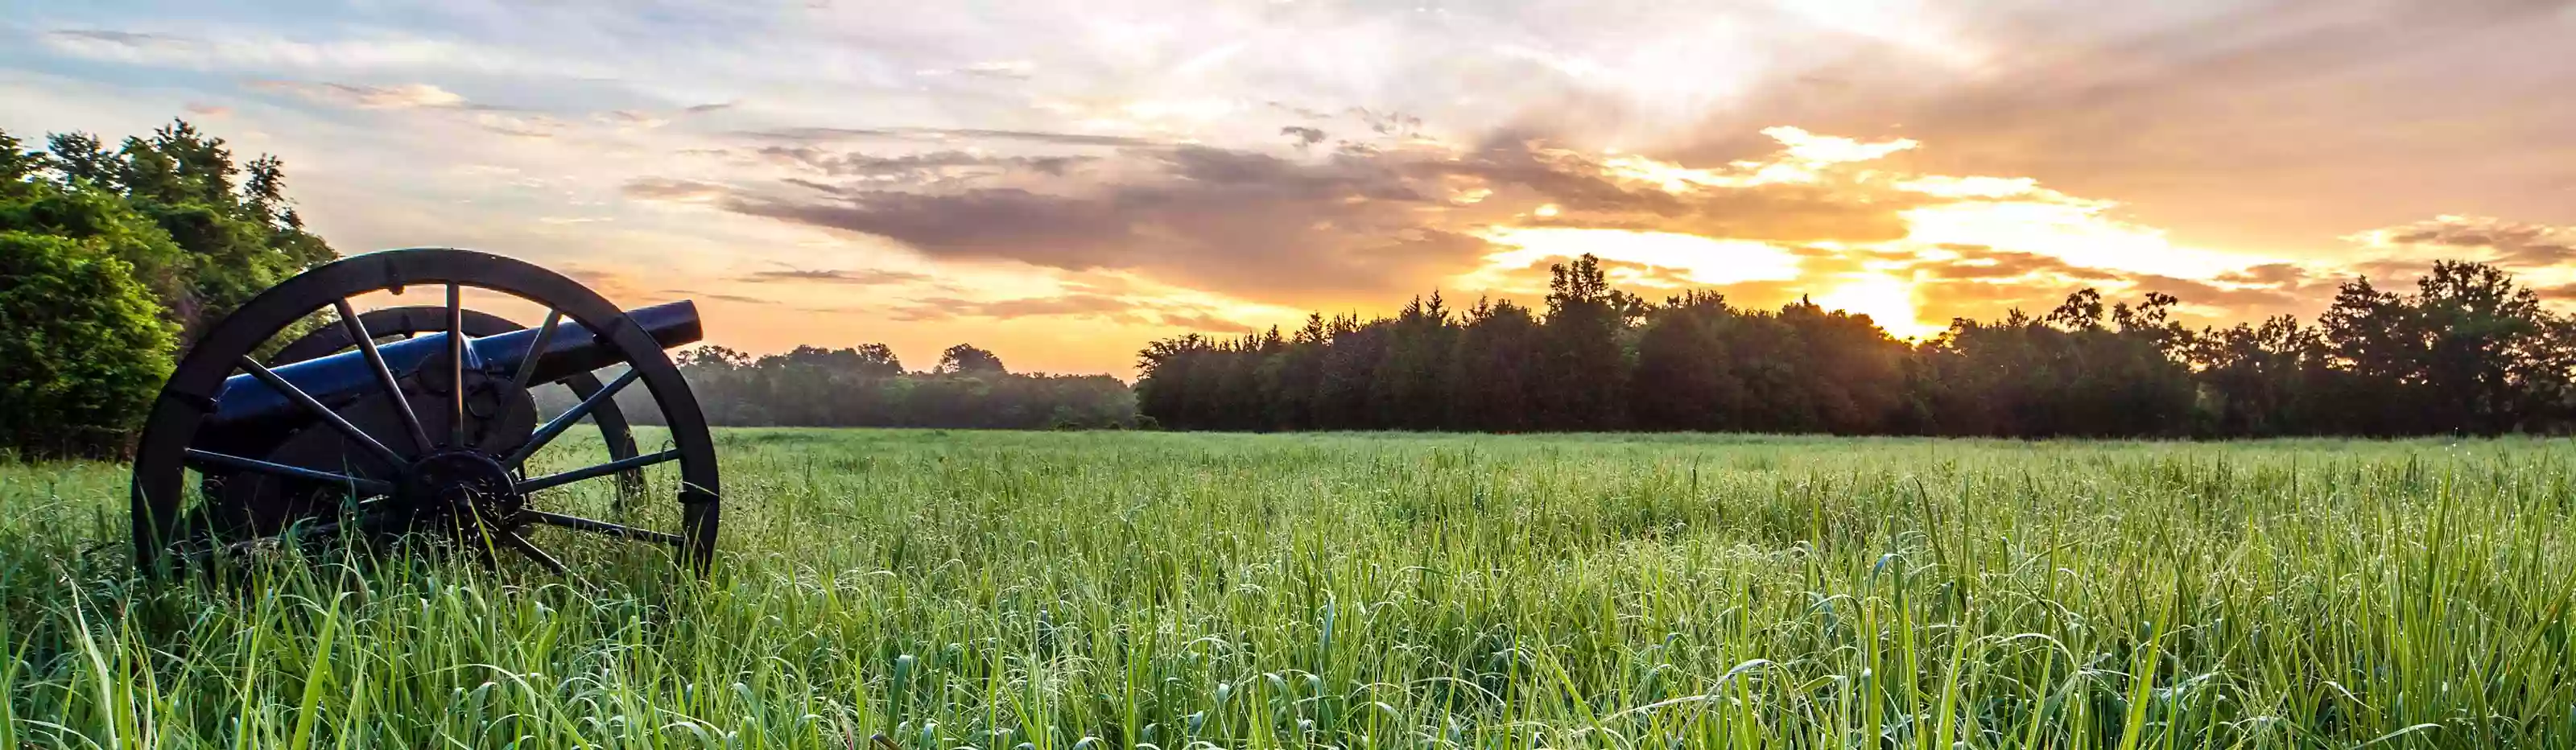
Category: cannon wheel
[442,466]
[420,319]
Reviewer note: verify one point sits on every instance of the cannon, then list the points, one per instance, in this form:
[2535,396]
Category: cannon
[415,422]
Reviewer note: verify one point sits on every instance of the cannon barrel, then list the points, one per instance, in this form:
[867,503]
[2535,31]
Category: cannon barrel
[247,406]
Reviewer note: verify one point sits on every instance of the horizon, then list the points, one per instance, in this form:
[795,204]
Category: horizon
[1062,186]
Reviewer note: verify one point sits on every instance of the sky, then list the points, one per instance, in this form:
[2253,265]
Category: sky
[1063,182]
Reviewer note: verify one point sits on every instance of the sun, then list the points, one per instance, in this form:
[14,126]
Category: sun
[1887,300]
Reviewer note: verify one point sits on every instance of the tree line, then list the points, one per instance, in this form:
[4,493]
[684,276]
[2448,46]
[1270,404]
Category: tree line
[867,386]
[2467,351]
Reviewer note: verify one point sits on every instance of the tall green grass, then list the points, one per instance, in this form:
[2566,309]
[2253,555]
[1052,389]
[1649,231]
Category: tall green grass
[1075,591]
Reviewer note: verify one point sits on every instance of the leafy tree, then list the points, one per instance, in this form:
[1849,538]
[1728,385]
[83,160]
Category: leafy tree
[1344,392]
[1852,372]
[1495,375]
[238,235]
[966,359]
[2470,351]
[1684,378]
[81,211]
[1406,393]
[164,217]
[1170,369]
[85,348]
[81,158]
[1584,362]
[1288,377]
[17,163]
[2075,372]
[2487,350]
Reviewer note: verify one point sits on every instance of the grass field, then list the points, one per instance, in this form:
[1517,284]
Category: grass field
[1035,590]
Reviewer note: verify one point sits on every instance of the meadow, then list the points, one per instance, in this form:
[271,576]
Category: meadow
[923,590]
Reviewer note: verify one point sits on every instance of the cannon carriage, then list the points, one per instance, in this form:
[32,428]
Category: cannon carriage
[413,422]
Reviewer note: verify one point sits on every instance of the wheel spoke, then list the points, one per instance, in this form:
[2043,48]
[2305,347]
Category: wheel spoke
[514,541]
[324,413]
[456,364]
[229,461]
[551,481]
[565,420]
[384,376]
[603,528]
[528,363]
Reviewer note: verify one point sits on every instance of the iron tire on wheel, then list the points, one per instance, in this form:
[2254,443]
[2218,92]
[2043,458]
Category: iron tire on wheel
[167,445]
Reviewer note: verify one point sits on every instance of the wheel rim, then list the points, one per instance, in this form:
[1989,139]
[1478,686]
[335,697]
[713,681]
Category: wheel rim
[165,450]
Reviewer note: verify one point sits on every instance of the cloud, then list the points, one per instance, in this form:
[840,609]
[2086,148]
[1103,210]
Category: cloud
[1201,322]
[1982,283]
[998,223]
[923,167]
[429,98]
[2269,274]
[122,46]
[866,277]
[111,37]
[1131,311]
[632,119]
[1823,149]
[825,135]
[402,96]
[1790,198]
[527,126]
[1258,241]
[2516,245]
[1302,113]
[942,308]
[2269,126]
[426,97]
[700,109]
[726,297]
[1643,278]
[1980,263]
[1018,70]
[1353,226]
[674,190]
[213,46]
[2223,299]
[209,110]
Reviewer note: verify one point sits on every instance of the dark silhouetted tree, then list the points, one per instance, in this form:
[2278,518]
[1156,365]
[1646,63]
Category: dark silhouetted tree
[967,359]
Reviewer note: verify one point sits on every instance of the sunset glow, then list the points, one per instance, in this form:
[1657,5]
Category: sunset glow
[1699,260]
[1887,301]
[1064,183]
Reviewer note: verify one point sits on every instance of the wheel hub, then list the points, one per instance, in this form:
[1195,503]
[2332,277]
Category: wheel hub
[458,491]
